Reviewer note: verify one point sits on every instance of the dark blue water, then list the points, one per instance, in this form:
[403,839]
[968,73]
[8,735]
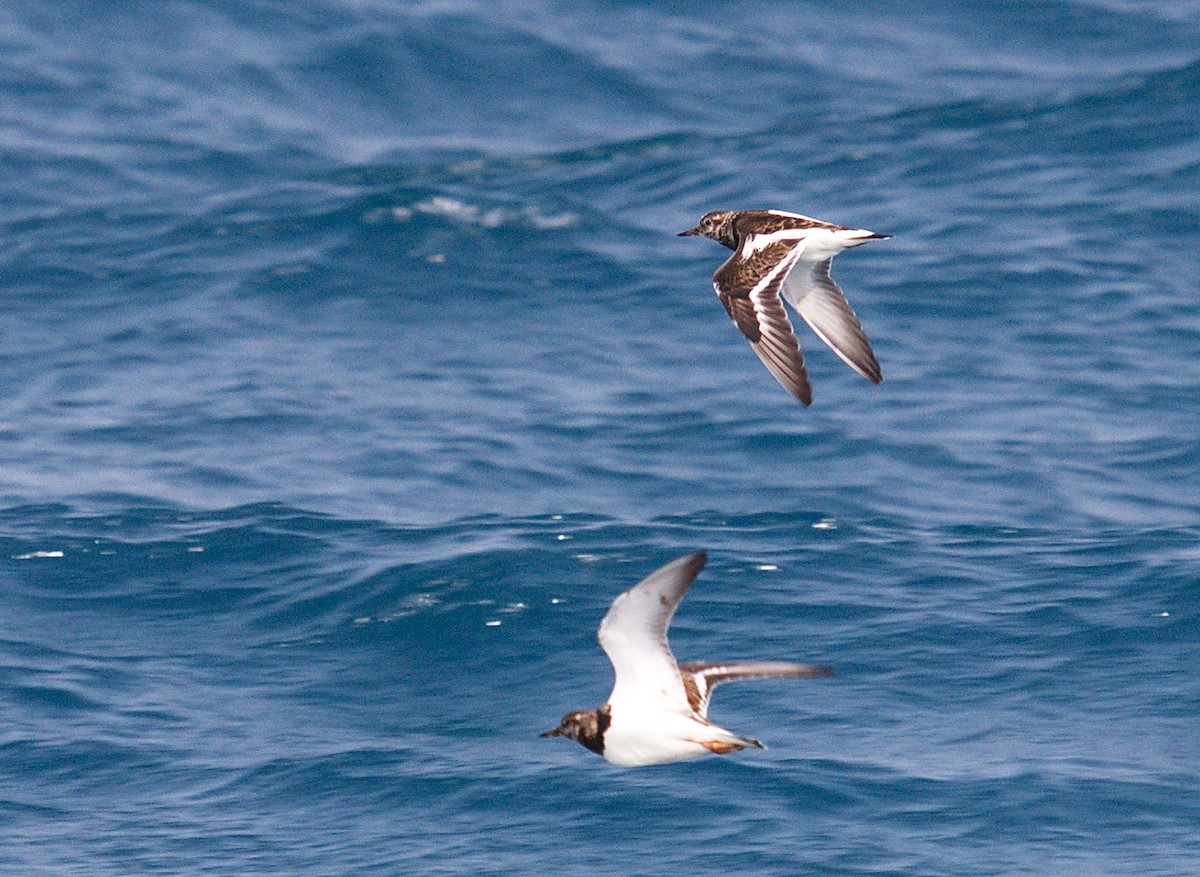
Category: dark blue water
[349,367]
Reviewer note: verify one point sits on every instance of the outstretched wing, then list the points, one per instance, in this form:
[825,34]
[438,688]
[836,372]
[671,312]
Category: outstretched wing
[823,305]
[700,679]
[634,636]
[749,284]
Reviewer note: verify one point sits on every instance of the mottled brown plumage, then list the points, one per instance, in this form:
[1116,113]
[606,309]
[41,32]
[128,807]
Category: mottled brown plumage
[780,256]
[585,727]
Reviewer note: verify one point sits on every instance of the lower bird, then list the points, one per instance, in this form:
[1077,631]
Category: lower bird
[658,709]
[785,254]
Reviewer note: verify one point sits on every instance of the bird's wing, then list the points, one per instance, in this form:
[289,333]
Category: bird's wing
[634,636]
[749,284]
[822,304]
[700,679]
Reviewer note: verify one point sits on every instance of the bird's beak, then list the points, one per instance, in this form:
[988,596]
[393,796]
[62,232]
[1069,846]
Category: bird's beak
[553,732]
[689,232]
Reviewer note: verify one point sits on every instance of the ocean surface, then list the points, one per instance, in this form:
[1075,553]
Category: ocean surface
[350,367]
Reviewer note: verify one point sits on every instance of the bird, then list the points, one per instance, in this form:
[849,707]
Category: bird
[786,254]
[658,710]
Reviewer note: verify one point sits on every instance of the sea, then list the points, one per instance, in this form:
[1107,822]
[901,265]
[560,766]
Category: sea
[350,367]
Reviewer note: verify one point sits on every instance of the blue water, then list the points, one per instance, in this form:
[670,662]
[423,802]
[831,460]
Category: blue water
[350,366]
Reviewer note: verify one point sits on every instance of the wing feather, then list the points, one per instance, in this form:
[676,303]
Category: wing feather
[823,305]
[749,287]
[699,679]
[634,636]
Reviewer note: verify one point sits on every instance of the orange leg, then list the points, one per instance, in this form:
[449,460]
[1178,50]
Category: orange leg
[719,747]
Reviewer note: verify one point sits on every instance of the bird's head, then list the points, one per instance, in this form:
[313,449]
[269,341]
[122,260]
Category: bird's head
[717,224]
[585,727]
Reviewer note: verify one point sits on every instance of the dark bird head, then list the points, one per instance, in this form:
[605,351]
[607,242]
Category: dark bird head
[717,225]
[585,727]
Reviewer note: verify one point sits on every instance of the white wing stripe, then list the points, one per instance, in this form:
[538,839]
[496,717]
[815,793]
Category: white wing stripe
[756,243]
[793,215]
[768,279]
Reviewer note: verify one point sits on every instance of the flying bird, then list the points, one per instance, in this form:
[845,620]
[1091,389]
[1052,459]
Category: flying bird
[658,709]
[778,254]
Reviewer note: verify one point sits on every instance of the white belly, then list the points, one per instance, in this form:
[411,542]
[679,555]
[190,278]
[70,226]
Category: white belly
[657,738]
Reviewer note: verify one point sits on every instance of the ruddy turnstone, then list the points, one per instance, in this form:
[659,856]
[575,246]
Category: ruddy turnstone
[777,253]
[658,710]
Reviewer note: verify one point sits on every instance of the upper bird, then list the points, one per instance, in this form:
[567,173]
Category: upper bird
[658,710]
[777,253]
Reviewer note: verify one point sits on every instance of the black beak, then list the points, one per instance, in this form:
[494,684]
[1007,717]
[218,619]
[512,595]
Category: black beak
[553,732]
[689,232]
